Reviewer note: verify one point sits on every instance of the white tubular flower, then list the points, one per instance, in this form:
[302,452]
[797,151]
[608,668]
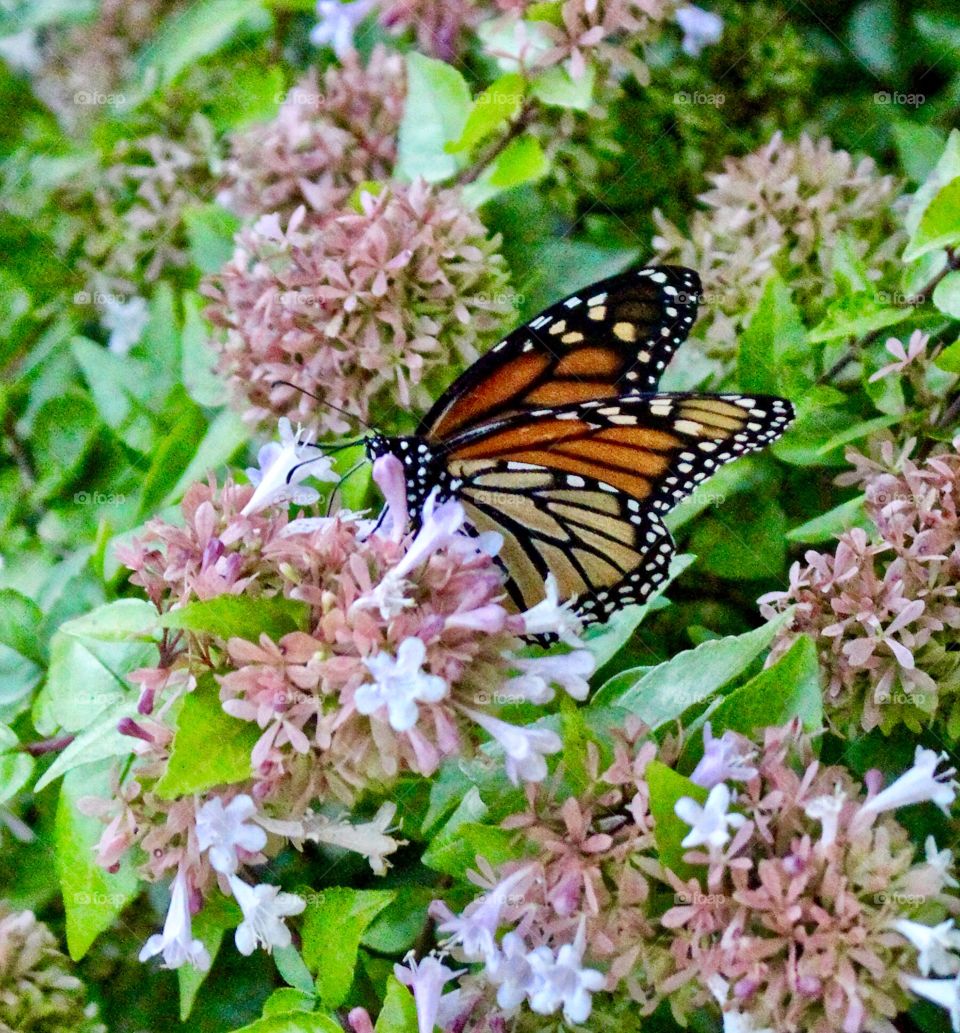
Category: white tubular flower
[337,23]
[399,685]
[368,838]
[475,929]
[282,466]
[525,748]
[941,861]
[562,981]
[264,909]
[539,674]
[922,783]
[826,810]
[935,945]
[551,617]
[225,830]
[700,28]
[176,942]
[709,823]
[426,980]
[510,971]
[723,760]
[126,321]
[943,992]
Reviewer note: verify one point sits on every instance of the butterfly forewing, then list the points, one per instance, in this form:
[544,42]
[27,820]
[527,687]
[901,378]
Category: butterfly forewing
[612,338]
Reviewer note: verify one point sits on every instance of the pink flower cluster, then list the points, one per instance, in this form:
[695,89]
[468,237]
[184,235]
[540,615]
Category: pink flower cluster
[361,307]
[883,607]
[402,644]
[801,904]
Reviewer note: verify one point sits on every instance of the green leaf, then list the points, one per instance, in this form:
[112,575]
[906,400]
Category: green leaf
[85,677]
[788,689]
[100,741]
[946,169]
[253,94]
[743,539]
[492,111]
[21,653]
[185,38]
[64,431]
[293,968]
[224,437]
[15,767]
[949,358]
[455,853]
[333,924]
[210,231]
[294,1022]
[864,429]
[399,1011]
[285,1000]
[435,114]
[240,616]
[92,897]
[606,640]
[202,384]
[398,927]
[666,788]
[874,36]
[832,524]
[521,161]
[119,621]
[939,225]
[946,296]
[217,916]
[918,147]
[776,328]
[172,455]
[556,88]
[471,810]
[849,270]
[693,676]
[856,315]
[194,764]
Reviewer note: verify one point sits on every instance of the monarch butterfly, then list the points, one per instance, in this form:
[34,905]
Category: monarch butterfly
[557,439]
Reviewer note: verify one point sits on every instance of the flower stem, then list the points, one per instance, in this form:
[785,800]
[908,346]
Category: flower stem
[472,172]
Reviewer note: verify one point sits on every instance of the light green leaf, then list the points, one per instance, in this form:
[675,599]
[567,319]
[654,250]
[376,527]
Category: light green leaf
[946,169]
[492,111]
[203,385]
[606,640]
[194,765]
[398,927]
[92,897]
[293,968]
[21,653]
[294,1022]
[788,689]
[399,1011]
[556,88]
[742,540]
[858,431]
[856,315]
[185,38]
[435,114]
[456,852]
[939,225]
[946,296]
[832,524]
[521,161]
[119,621]
[849,270]
[918,147]
[776,328]
[224,437]
[240,616]
[210,230]
[666,788]
[15,767]
[286,999]
[949,358]
[98,742]
[693,676]
[85,677]
[333,924]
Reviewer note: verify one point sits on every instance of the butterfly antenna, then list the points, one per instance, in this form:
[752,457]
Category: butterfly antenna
[343,480]
[323,401]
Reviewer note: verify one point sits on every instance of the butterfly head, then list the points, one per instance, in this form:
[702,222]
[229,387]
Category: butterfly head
[422,468]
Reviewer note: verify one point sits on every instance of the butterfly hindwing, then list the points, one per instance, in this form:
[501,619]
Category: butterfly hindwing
[603,553]
[612,338]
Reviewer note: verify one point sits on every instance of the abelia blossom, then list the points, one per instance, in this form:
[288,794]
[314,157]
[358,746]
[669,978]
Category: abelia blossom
[264,909]
[281,468]
[226,831]
[176,943]
[399,685]
[709,822]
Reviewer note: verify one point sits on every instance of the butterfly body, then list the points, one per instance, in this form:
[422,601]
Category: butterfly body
[558,439]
